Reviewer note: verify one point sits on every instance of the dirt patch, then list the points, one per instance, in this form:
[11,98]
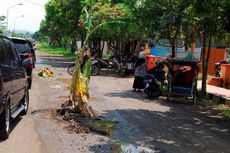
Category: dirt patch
[79,123]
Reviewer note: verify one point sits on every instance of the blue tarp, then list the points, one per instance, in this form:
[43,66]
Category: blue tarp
[160,51]
[165,52]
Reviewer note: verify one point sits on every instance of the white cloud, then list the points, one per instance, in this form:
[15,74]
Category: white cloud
[33,11]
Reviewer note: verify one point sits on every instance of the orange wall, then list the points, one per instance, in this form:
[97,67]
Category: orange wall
[225,74]
[216,55]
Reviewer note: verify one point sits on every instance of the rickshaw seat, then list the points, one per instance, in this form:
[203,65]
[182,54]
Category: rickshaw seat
[181,90]
[184,79]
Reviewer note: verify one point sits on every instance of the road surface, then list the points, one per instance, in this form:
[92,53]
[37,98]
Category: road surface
[155,124]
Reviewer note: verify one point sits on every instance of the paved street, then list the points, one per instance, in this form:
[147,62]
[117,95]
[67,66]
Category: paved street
[154,124]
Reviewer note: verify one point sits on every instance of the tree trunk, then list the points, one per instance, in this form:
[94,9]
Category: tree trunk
[103,46]
[65,43]
[73,45]
[209,51]
[139,43]
[133,46]
[173,43]
[99,48]
[111,46]
[204,74]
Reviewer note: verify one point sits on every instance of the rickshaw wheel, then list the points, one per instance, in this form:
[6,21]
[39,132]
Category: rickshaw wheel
[149,94]
[168,98]
[194,97]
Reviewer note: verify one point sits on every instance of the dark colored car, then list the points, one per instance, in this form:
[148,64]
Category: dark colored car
[23,49]
[32,50]
[14,95]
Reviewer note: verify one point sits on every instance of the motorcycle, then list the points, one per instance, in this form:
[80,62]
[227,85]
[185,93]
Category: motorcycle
[111,64]
[97,65]
[155,81]
[217,69]
[127,66]
[94,68]
[152,87]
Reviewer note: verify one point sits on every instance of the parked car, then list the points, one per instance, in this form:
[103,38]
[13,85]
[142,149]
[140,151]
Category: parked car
[32,50]
[14,94]
[23,49]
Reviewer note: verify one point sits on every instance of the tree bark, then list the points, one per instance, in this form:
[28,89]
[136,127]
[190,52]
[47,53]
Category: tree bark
[73,45]
[65,43]
[103,46]
[209,50]
[139,42]
[204,74]
[173,43]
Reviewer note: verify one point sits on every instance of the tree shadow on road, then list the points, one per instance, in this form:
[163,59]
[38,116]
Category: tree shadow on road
[54,61]
[128,94]
[169,131]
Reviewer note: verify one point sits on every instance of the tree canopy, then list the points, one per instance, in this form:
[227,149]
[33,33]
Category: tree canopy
[130,22]
[2,25]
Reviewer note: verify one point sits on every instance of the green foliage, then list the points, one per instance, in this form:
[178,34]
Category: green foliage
[165,19]
[2,26]
[56,51]
[61,20]
[225,113]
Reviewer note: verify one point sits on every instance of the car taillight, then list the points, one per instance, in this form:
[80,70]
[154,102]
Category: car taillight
[29,56]
[30,65]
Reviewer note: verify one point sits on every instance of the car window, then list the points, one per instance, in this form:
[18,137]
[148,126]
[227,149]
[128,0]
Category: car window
[22,48]
[11,58]
[2,52]
[15,55]
[30,44]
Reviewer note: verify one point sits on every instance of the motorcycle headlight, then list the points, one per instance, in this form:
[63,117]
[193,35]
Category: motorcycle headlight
[146,85]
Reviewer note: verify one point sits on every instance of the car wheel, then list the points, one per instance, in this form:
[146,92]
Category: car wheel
[94,70]
[25,102]
[29,82]
[5,123]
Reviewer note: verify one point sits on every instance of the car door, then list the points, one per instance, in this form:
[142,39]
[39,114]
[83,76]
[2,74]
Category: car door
[20,73]
[5,69]
[13,73]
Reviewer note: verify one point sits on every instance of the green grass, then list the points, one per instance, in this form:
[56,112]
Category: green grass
[224,112]
[56,51]
[200,76]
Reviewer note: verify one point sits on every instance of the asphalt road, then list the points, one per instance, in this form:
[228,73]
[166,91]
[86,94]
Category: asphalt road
[154,124]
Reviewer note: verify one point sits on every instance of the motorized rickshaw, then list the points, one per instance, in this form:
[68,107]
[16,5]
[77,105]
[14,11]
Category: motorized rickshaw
[182,79]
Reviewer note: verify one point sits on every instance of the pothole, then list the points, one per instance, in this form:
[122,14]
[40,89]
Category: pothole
[129,148]
[43,113]
[93,98]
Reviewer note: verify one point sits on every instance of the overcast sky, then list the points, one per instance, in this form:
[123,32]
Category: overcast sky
[32,10]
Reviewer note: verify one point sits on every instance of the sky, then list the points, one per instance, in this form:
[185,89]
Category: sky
[23,17]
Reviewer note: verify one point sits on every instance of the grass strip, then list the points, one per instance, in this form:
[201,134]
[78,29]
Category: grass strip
[56,51]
